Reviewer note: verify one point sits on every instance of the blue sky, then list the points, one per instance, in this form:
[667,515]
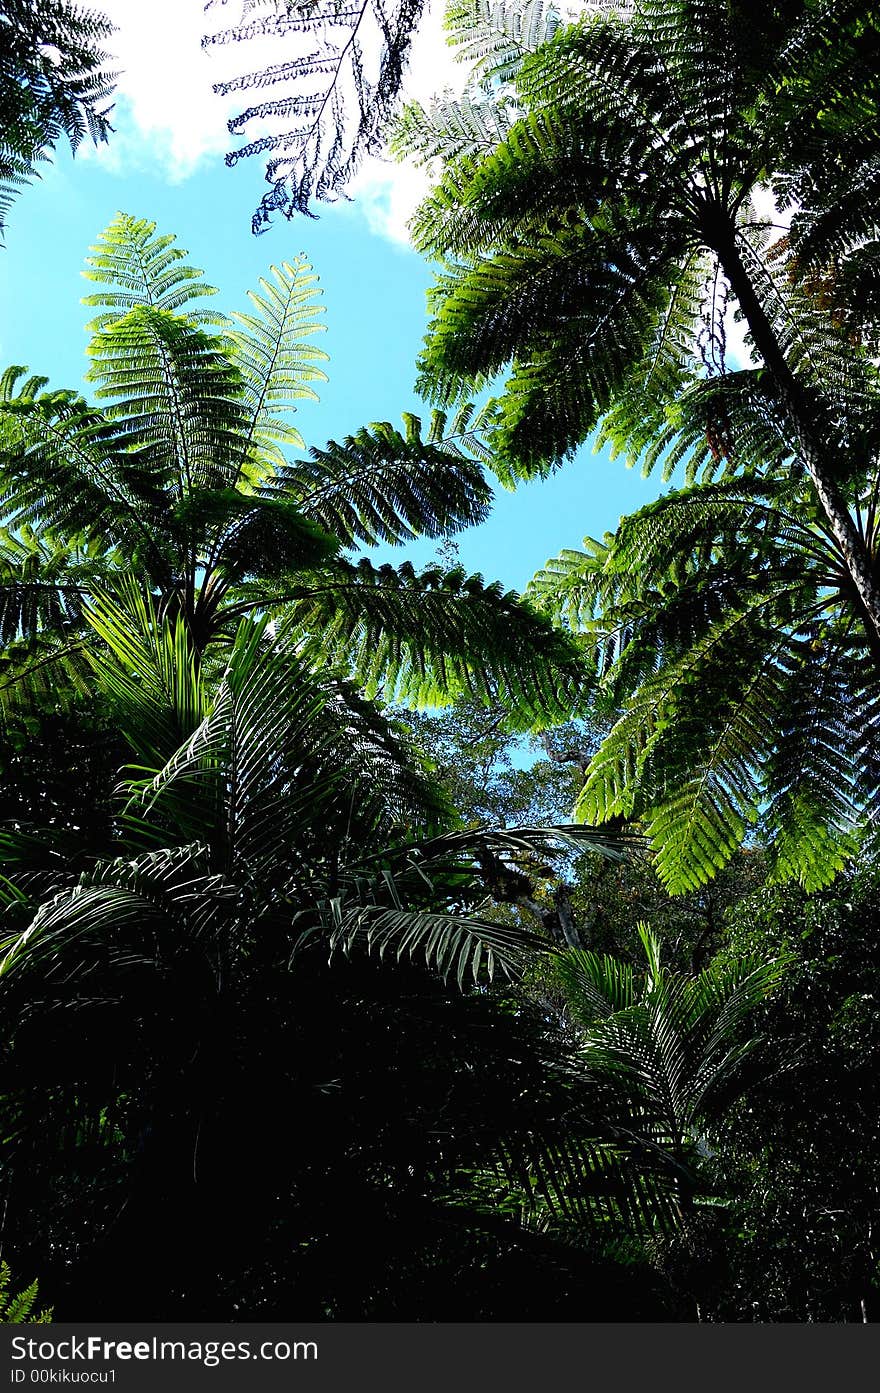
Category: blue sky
[374,287]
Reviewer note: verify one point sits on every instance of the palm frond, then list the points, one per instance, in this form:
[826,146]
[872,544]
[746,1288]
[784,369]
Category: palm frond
[668,1043]
[124,906]
[451,944]
[146,668]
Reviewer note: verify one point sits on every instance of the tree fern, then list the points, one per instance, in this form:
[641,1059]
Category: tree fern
[180,475]
[705,615]
[573,250]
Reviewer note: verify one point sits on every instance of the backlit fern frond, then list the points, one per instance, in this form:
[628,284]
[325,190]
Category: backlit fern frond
[511,304]
[423,637]
[141,269]
[16,169]
[175,396]
[538,179]
[275,356]
[704,616]
[386,485]
[63,466]
[569,587]
[452,127]
[495,36]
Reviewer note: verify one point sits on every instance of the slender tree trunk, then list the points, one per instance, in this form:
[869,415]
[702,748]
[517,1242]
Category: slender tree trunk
[721,237]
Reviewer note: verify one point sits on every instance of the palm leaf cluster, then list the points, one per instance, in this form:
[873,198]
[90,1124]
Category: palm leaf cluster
[664,1055]
[340,70]
[54,83]
[182,469]
[671,1046]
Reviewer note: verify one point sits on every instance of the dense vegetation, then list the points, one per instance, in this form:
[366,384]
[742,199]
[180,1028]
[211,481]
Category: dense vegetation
[54,82]
[316,1001]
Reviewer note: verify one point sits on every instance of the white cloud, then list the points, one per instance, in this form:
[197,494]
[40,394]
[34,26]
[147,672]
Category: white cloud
[386,195]
[167,114]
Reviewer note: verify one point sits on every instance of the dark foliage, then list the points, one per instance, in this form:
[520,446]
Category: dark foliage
[303,1151]
[53,82]
[802,1158]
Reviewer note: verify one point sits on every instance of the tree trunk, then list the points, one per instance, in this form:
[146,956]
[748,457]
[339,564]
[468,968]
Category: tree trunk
[721,238]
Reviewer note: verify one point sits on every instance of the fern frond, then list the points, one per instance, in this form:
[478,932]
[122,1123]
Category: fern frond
[704,616]
[274,355]
[353,68]
[175,397]
[64,467]
[567,366]
[452,127]
[143,270]
[386,485]
[18,1309]
[54,82]
[495,36]
[421,638]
